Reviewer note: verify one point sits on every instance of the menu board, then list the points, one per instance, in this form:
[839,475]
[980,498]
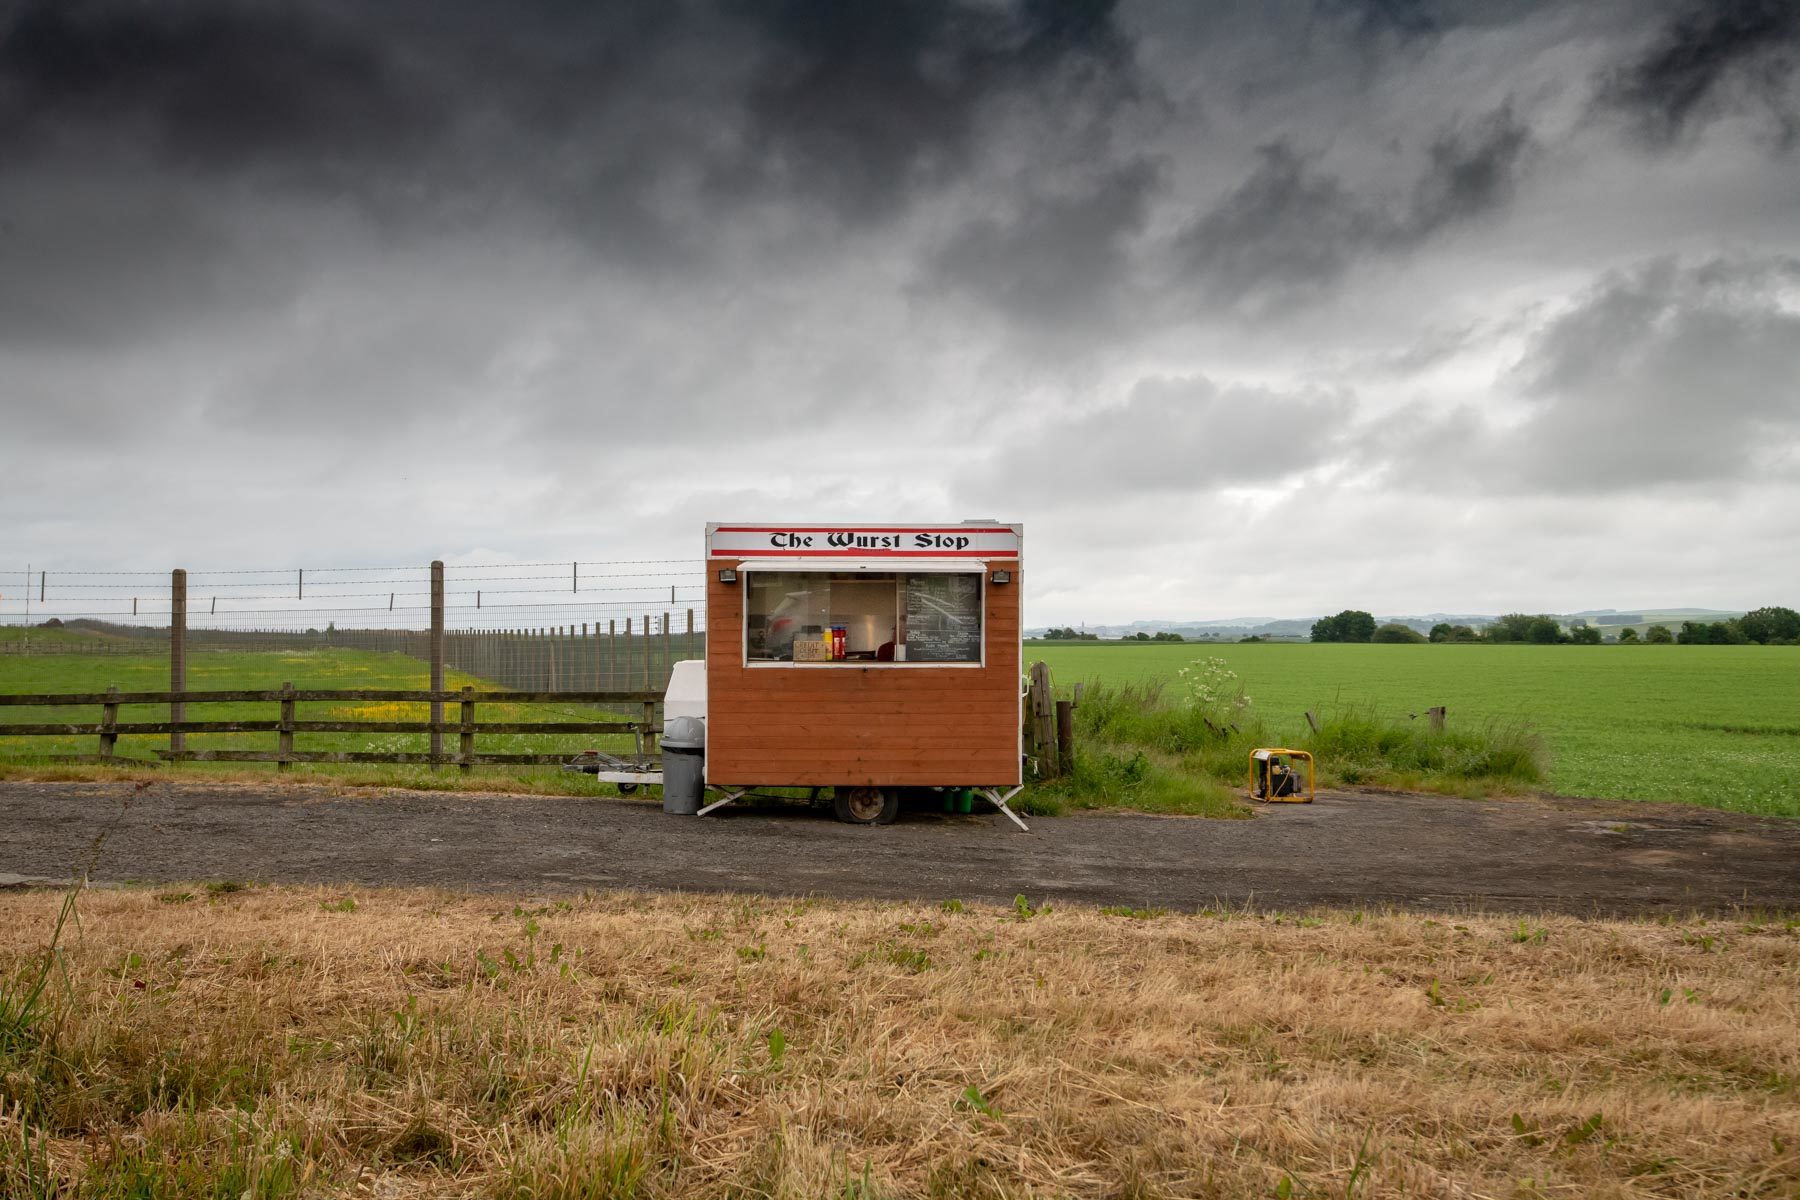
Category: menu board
[943,617]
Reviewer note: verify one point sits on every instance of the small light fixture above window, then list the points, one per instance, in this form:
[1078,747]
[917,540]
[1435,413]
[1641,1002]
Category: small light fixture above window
[727,576]
[1001,576]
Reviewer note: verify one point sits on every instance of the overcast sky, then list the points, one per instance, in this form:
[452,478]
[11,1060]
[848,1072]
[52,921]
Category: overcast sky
[1242,308]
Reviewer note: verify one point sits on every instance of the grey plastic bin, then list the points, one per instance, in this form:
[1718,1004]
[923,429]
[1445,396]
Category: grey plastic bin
[684,765]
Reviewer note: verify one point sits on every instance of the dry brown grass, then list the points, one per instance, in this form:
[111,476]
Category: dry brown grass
[268,1042]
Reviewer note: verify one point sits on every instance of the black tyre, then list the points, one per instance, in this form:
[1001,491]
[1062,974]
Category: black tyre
[625,789]
[866,805]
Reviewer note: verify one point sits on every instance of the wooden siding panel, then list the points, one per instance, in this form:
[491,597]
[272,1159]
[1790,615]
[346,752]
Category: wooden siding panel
[873,725]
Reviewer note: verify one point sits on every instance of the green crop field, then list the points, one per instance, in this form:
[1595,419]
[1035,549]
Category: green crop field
[320,669]
[1712,725]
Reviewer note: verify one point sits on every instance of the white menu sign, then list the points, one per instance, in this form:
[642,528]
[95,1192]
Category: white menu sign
[862,541]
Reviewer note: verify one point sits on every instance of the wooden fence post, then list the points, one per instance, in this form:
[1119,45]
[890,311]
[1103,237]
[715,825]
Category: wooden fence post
[1312,722]
[284,737]
[1065,733]
[437,662]
[612,650]
[645,726]
[109,724]
[668,646]
[647,647]
[1043,721]
[1437,718]
[465,741]
[177,654]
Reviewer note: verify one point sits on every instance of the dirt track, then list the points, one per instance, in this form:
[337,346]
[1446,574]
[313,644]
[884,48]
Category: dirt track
[1351,848]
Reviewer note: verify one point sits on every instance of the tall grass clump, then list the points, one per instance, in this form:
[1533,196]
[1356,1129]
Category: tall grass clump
[1143,746]
[1183,748]
[1357,745]
[24,996]
[1148,716]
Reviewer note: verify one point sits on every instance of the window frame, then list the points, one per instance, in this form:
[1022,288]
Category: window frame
[900,568]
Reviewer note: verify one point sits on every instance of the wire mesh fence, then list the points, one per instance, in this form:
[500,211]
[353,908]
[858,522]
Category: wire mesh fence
[574,626]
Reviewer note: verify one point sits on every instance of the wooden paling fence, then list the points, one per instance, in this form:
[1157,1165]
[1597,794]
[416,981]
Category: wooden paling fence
[635,651]
[618,653]
[647,729]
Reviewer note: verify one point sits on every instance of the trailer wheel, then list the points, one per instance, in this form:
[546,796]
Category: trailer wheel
[625,789]
[866,805]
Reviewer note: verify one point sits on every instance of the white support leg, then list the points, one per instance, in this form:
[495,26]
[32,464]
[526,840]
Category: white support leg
[721,803]
[999,802]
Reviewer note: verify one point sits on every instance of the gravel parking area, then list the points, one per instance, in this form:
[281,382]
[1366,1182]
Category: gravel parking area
[1350,848]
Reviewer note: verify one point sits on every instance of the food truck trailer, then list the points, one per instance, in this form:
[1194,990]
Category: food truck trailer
[871,660]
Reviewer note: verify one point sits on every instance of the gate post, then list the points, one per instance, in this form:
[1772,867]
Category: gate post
[437,662]
[1043,721]
[177,655]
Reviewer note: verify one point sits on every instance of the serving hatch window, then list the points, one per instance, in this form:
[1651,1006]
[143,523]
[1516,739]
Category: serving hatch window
[862,617]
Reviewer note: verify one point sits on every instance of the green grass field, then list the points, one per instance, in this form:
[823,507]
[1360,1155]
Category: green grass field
[323,669]
[1712,725]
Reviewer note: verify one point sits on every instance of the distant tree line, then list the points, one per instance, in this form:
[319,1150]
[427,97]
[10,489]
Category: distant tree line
[1161,636]
[1069,635]
[1539,629]
[1351,625]
[1772,626]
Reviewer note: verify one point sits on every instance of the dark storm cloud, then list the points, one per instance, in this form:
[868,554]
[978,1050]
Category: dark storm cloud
[1387,18]
[1292,229]
[211,85]
[856,260]
[656,136]
[1288,228]
[62,246]
[856,104]
[1471,172]
[865,103]
[424,118]
[1057,262]
[1714,57]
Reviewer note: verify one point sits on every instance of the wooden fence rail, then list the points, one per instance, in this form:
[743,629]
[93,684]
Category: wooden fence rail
[109,728]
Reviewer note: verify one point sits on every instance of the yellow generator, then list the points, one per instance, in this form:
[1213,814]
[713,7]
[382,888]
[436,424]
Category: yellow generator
[1275,776]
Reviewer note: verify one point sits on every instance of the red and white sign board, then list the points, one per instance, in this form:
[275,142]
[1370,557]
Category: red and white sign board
[862,541]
